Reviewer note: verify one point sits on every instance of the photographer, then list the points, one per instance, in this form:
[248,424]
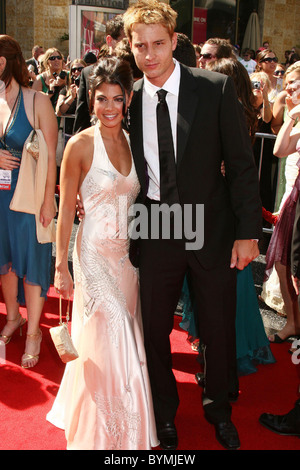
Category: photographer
[54,78]
[261,87]
[67,99]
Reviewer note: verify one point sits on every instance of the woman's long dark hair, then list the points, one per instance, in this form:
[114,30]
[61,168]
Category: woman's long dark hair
[15,63]
[114,71]
[238,72]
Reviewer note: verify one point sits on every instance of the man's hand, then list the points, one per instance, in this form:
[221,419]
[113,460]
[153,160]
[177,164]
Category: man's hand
[243,252]
[79,209]
[296,284]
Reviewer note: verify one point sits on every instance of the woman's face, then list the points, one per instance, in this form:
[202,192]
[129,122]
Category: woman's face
[108,104]
[257,92]
[55,62]
[269,63]
[76,69]
[279,71]
[293,86]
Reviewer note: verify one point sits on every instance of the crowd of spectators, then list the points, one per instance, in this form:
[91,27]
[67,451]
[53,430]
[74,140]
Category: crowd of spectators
[66,83]
[267,90]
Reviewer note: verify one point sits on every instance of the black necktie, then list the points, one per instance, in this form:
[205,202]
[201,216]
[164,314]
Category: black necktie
[167,166]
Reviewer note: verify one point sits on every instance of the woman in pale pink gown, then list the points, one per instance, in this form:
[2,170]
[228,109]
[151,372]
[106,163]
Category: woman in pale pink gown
[104,401]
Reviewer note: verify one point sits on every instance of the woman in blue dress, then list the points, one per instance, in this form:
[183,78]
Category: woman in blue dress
[24,263]
[252,344]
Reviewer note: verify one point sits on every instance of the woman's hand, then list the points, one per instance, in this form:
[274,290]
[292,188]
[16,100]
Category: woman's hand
[52,84]
[294,112]
[63,283]
[74,90]
[8,161]
[47,213]
[60,82]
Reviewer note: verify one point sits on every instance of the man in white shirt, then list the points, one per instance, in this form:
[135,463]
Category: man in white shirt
[248,62]
[203,107]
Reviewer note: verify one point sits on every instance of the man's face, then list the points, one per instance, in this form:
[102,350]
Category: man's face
[38,52]
[208,54]
[153,48]
[247,56]
[112,43]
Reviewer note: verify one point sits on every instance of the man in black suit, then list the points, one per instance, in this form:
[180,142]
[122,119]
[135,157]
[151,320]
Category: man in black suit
[207,127]
[36,52]
[114,34]
[289,423]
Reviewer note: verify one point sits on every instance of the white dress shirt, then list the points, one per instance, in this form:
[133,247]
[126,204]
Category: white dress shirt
[150,100]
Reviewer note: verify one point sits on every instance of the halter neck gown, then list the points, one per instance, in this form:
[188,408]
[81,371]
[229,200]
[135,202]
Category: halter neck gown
[104,401]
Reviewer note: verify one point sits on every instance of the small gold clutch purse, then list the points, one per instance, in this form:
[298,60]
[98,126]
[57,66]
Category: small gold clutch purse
[61,337]
[32,145]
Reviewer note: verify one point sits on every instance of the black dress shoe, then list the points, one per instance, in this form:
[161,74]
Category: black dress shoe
[200,380]
[285,425]
[233,396]
[227,435]
[167,436]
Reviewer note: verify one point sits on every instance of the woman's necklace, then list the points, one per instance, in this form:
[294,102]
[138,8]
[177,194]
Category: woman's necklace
[10,118]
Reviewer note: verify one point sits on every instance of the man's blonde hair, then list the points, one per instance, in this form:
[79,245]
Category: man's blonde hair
[149,12]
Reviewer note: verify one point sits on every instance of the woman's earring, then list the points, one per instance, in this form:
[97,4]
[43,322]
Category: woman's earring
[128,118]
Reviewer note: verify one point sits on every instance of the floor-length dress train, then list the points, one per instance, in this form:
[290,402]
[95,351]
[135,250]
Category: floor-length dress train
[104,401]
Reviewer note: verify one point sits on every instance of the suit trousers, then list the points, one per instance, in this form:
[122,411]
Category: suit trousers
[163,264]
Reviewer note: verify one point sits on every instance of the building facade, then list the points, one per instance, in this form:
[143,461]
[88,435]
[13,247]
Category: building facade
[47,22]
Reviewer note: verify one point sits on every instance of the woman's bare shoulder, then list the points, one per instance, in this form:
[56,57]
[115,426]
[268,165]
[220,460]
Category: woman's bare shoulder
[82,142]
[82,138]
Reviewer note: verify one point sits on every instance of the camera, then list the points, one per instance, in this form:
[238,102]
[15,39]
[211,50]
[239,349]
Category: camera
[62,75]
[256,85]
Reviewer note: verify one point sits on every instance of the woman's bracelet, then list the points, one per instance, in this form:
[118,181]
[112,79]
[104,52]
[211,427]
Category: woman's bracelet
[65,101]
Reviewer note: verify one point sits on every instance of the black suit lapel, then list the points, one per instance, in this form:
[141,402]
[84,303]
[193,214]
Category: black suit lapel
[136,134]
[187,105]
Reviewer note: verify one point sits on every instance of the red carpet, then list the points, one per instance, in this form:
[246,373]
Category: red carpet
[27,395]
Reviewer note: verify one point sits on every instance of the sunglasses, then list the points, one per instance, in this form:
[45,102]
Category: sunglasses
[270,59]
[53,57]
[278,73]
[206,56]
[78,69]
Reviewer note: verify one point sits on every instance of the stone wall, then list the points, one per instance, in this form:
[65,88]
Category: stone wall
[281,25]
[41,22]
[44,22]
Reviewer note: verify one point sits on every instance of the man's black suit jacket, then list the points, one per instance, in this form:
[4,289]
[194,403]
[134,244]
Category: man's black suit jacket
[82,114]
[211,128]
